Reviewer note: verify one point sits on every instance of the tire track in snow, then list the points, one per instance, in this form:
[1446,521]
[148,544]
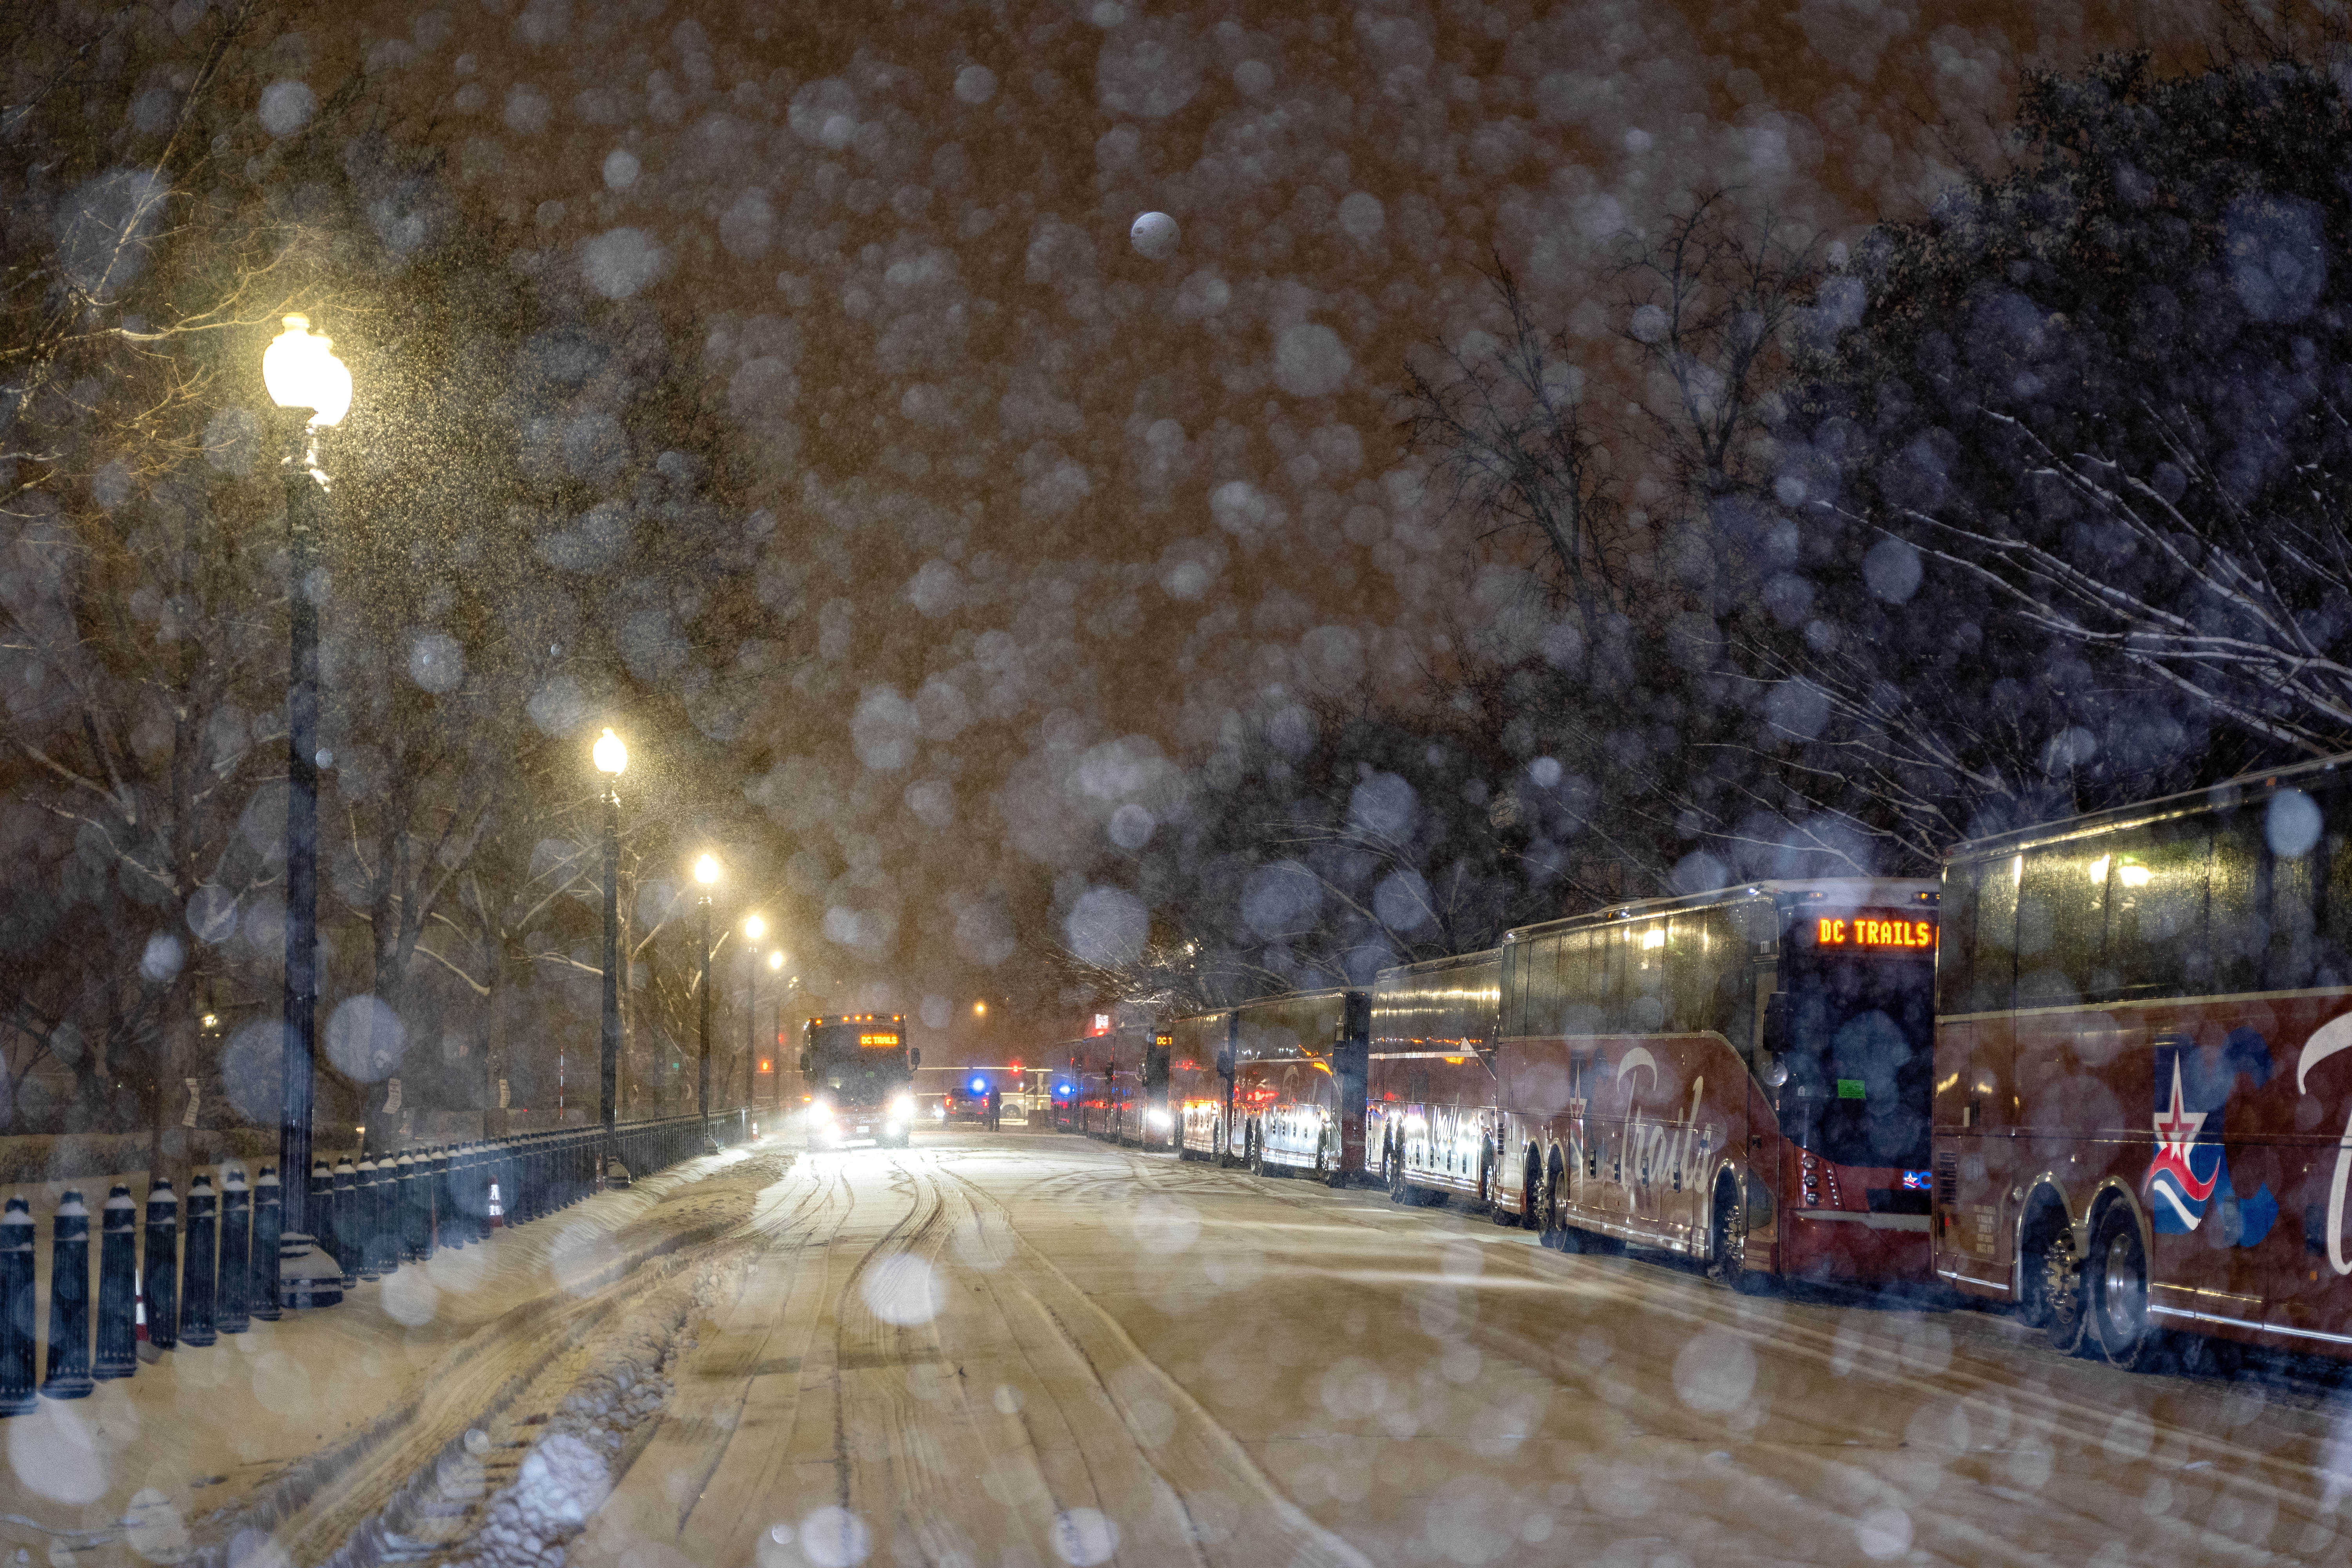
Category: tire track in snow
[354,1501]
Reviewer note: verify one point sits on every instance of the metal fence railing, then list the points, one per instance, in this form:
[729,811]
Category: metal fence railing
[220,1262]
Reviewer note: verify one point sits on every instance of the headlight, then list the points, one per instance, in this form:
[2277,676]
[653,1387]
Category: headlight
[940,1112]
[903,1107]
[820,1109]
[1157,1118]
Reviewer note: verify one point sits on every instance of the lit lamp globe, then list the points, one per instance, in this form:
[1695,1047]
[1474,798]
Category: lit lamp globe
[302,371]
[776,960]
[611,756]
[755,928]
[706,870]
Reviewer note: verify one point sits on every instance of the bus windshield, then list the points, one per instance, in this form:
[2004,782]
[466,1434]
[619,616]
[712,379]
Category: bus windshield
[853,1072]
[1861,1058]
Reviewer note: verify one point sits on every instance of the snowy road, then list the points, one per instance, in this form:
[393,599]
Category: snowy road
[1035,1350]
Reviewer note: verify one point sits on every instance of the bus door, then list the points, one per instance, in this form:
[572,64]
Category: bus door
[1351,1071]
[1578,1135]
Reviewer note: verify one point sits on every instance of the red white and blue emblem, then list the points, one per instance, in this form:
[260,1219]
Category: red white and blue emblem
[2188,1181]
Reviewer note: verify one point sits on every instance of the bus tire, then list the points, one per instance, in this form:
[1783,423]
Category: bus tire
[1533,1205]
[2054,1280]
[2116,1289]
[1555,1226]
[1727,1252]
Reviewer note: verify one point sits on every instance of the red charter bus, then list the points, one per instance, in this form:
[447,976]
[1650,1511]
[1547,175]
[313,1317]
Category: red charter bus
[2142,1079]
[1742,1077]
[1284,1088]
[1431,1123]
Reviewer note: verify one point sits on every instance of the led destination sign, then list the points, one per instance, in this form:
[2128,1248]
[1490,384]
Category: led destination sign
[1875,932]
[880,1039]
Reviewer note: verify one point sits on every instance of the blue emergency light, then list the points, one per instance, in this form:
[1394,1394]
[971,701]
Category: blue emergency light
[980,1086]
[1063,1090]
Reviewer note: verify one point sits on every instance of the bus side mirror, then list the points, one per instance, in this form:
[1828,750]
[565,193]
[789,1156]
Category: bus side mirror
[1225,1061]
[1772,1069]
[914,1057]
[805,1064]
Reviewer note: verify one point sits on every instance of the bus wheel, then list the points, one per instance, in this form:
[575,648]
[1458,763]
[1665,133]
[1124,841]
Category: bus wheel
[1555,1227]
[2054,1284]
[1726,1254]
[2116,1284]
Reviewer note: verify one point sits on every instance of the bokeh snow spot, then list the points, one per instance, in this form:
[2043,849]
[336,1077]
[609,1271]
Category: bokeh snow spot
[1883,1532]
[287,106]
[622,169]
[975,84]
[57,1456]
[1106,927]
[1714,1375]
[834,1538]
[1084,1537]
[903,1289]
[1155,235]
[437,662]
[1165,1225]
[1149,69]
[620,262]
[1309,360]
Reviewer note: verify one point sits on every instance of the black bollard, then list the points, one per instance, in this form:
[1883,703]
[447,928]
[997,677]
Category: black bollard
[385,1239]
[16,1321]
[445,1224]
[162,1273]
[364,1243]
[196,1294]
[69,1301]
[323,1211]
[118,1286]
[346,1222]
[233,1314]
[268,1228]
[403,1214]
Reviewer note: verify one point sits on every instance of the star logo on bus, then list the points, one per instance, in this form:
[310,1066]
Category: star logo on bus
[2172,1175]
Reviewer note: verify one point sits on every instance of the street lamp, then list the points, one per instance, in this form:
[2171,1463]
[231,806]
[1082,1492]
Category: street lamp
[612,759]
[754,928]
[705,871]
[304,377]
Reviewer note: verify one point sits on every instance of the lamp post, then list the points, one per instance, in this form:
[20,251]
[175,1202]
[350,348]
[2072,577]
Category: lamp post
[305,378]
[612,759]
[754,928]
[775,1076]
[705,871]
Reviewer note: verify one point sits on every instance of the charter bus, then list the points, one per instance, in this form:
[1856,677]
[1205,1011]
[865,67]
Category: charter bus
[2142,1112]
[859,1072]
[1743,1076]
[1137,1096]
[1431,1120]
[1284,1089]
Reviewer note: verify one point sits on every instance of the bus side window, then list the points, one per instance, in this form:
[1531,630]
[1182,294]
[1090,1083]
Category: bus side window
[2156,881]
[1699,946]
[2294,886]
[1955,931]
[2060,909]
[2226,955]
[2333,965]
[1992,947]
